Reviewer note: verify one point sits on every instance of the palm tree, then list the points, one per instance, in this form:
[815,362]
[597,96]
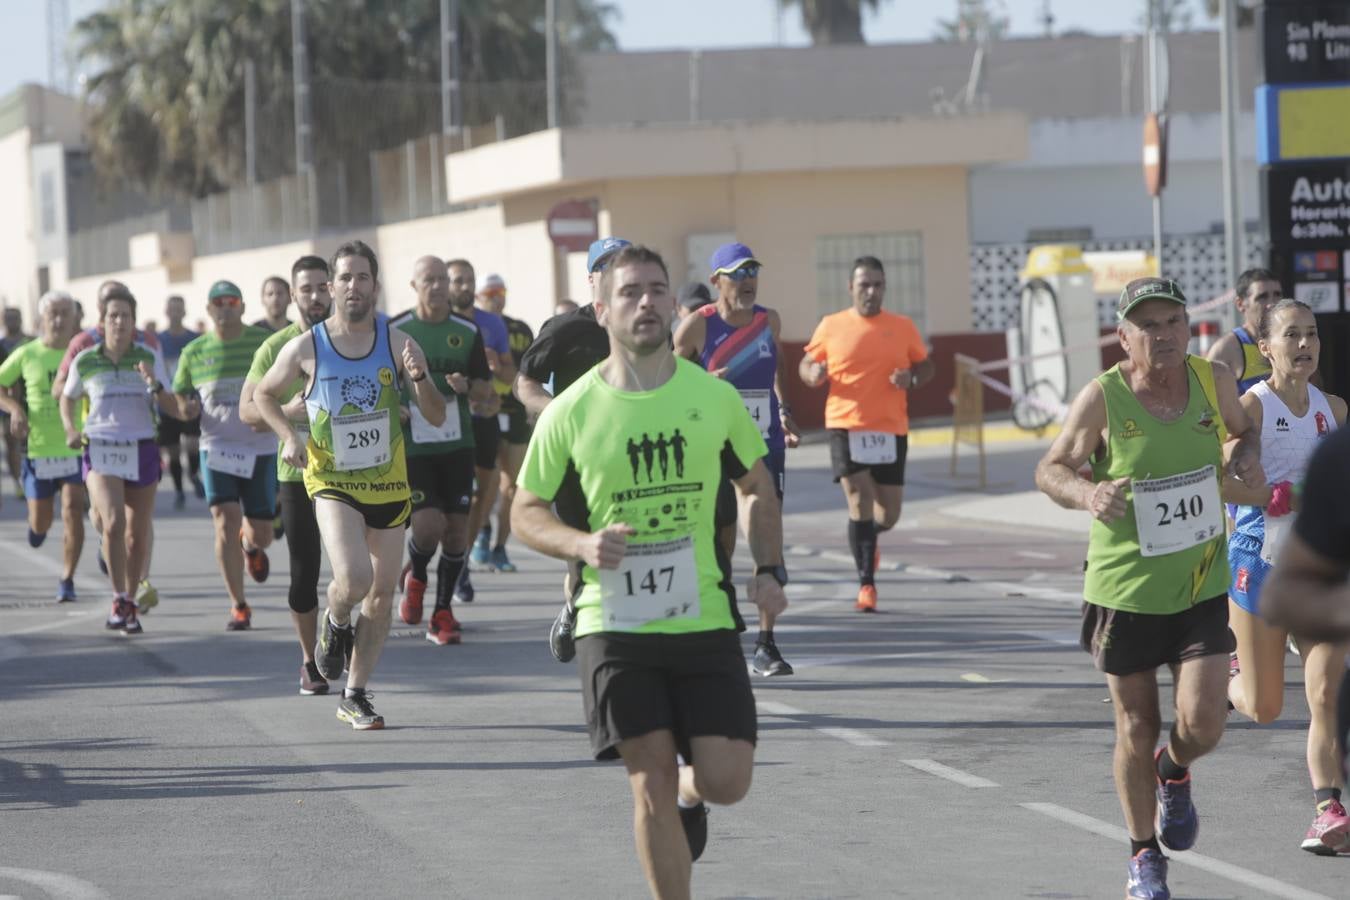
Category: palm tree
[833,21]
[1246,15]
[975,20]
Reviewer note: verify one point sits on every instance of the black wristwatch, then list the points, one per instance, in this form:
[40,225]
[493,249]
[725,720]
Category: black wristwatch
[779,573]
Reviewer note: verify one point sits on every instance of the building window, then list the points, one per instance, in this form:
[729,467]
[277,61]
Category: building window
[901,252]
[47,191]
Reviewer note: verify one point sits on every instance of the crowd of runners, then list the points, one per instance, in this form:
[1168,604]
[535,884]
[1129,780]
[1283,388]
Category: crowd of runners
[634,438]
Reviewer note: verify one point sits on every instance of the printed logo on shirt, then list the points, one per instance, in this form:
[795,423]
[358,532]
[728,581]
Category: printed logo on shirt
[1205,424]
[386,376]
[659,454]
[454,340]
[1130,429]
[1241,581]
[1282,424]
[360,391]
[1322,426]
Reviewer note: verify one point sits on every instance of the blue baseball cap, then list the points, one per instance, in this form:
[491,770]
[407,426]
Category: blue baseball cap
[603,248]
[730,257]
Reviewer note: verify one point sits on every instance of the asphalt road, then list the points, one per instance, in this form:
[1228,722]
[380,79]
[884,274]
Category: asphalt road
[954,745]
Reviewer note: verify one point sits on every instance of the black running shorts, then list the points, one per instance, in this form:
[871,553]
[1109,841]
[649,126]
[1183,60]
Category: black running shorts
[841,463]
[1123,643]
[442,481]
[693,685]
[487,434]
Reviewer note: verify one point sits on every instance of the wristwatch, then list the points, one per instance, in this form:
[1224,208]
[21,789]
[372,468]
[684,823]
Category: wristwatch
[155,388]
[779,573]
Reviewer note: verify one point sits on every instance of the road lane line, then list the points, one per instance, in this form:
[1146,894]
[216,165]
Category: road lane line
[1190,857]
[853,736]
[965,779]
[1036,554]
[773,708]
[58,886]
[932,542]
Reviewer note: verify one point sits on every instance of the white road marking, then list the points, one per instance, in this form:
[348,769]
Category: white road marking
[977,678]
[1036,554]
[965,779]
[1190,857]
[773,708]
[932,542]
[58,886]
[853,736]
[836,556]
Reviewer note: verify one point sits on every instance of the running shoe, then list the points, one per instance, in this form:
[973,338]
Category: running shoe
[117,617]
[256,562]
[65,590]
[132,623]
[695,822]
[443,629]
[410,607]
[35,539]
[1329,833]
[500,561]
[332,647]
[562,642]
[102,563]
[278,527]
[867,598]
[311,682]
[1148,876]
[147,598]
[1177,821]
[768,661]
[1234,670]
[481,554]
[464,589]
[241,619]
[358,711]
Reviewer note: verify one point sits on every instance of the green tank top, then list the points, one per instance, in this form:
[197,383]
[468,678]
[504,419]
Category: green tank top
[1118,574]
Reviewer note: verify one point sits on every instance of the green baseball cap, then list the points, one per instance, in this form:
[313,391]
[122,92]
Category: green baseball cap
[224,289]
[1142,289]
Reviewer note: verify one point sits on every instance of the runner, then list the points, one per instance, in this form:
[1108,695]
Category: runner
[736,339]
[1292,417]
[693,297]
[440,460]
[661,666]
[872,359]
[276,299]
[175,437]
[1157,567]
[12,340]
[563,307]
[486,429]
[313,303]
[49,466]
[1256,291]
[123,381]
[568,346]
[238,463]
[353,461]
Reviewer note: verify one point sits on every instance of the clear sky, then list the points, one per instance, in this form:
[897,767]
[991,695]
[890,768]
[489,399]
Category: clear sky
[650,24]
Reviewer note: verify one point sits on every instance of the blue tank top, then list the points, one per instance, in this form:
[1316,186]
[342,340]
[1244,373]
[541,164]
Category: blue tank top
[750,357]
[1255,367]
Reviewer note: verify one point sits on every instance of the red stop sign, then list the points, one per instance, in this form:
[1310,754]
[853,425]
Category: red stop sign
[572,225]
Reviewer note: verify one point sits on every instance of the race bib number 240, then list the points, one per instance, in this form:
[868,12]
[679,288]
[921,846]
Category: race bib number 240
[1177,512]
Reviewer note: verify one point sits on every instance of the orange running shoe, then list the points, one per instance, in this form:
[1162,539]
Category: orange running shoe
[410,607]
[255,560]
[867,598]
[443,628]
[241,619]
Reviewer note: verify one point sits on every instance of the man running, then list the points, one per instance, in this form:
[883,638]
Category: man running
[49,466]
[13,338]
[872,359]
[175,437]
[238,463]
[276,299]
[1256,291]
[736,339]
[440,459]
[353,462]
[693,297]
[1156,575]
[313,303]
[660,659]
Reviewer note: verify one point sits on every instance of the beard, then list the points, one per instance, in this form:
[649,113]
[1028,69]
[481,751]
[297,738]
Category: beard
[312,318]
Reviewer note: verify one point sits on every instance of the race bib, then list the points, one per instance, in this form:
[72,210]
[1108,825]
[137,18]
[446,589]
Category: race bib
[424,433]
[116,459]
[655,581]
[45,468]
[757,405]
[1177,512]
[871,447]
[230,462]
[361,440]
[1277,529]
[504,422]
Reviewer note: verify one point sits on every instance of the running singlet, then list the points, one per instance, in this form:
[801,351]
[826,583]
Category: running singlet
[520,337]
[215,369]
[654,461]
[750,357]
[263,359]
[120,406]
[492,329]
[452,346]
[355,442]
[860,353]
[1172,502]
[1255,367]
[1287,444]
[35,364]
[171,345]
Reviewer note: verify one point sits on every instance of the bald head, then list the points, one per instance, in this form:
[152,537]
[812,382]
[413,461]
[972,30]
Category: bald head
[431,283]
[111,290]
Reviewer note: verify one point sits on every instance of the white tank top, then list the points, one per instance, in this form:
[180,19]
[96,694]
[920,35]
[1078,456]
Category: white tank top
[1288,441]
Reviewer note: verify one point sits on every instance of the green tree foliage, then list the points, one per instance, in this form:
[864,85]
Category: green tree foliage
[975,20]
[833,21]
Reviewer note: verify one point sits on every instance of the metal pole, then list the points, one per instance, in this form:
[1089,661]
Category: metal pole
[551,59]
[1154,104]
[250,122]
[304,142]
[695,83]
[1232,210]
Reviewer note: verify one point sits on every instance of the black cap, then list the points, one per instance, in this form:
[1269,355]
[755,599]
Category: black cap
[695,294]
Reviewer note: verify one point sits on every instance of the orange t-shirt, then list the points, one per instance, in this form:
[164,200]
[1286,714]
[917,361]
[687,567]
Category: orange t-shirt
[860,353]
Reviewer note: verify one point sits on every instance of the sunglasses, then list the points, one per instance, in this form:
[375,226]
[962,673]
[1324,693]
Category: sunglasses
[744,272]
[226,301]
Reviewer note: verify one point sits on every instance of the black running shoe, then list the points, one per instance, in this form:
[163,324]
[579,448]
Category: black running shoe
[332,648]
[695,822]
[768,661]
[358,711]
[311,682]
[562,642]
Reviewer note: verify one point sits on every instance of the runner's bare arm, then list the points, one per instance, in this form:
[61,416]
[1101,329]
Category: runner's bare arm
[1245,462]
[1235,490]
[248,410]
[535,523]
[1306,593]
[811,371]
[1057,472]
[531,393]
[1227,350]
[762,522]
[791,436]
[16,410]
[1338,409]
[68,420]
[289,365]
[690,335]
[412,362]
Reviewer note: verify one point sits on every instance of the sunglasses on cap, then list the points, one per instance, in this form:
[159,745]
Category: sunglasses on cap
[226,301]
[747,271]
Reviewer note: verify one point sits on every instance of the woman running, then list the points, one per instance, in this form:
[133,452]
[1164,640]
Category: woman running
[123,380]
[1293,416]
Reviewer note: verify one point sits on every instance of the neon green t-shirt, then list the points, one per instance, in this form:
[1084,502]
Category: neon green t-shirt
[652,460]
[215,369]
[35,364]
[263,360]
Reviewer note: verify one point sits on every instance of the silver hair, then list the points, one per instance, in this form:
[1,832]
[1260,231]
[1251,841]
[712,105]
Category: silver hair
[51,297]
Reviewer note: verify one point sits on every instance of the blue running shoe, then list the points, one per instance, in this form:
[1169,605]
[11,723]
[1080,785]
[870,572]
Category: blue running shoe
[1148,876]
[1177,821]
[481,553]
[65,591]
[464,590]
[500,561]
[35,539]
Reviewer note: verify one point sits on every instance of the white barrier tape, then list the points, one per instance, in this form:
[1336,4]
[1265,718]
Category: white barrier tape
[1057,409]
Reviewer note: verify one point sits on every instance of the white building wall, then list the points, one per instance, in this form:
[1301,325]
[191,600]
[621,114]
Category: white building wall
[18,275]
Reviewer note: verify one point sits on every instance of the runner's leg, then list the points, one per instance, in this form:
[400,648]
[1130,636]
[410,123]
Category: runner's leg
[662,847]
[304,548]
[860,493]
[227,518]
[1258,690]
[140,504]
[721,771]
[386,560]
[509,459]
[74,499]
[40,514]
[1200,711]
[343,532]
[108,495]
[1323,666]
[1138,724]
